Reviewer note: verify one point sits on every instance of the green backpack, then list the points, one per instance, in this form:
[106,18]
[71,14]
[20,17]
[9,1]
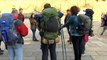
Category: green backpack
[51,23]
[86,21]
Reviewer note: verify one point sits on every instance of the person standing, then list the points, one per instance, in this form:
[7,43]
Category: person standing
[89,12]
[33,26]
[67,17]
[72,22]
[1,51]
[20,15]
[51,20]
[16,51]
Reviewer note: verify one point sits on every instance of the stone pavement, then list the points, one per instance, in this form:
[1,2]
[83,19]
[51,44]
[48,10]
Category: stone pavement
[96,48]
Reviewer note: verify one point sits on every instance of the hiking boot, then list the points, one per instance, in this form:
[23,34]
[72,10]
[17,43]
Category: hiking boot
[1,50]
[101,34]
[69,41]
[1,53]
[35,40]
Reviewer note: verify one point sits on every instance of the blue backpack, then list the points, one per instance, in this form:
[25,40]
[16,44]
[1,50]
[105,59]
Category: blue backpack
[7,29]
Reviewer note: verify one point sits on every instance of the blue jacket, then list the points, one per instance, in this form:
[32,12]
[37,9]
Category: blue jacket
[72,22]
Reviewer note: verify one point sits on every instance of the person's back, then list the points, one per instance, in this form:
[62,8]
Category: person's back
[49,14]
[33,26]
[33,23]
[50,31]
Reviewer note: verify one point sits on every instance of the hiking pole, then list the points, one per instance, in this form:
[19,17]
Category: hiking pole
[64,44]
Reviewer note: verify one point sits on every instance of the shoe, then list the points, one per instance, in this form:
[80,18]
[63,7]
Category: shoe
[1,50]
[69,41]
[35,40]
[101,34]
[1,53]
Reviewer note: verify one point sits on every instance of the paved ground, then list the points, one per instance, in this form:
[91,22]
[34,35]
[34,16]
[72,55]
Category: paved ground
[96,48]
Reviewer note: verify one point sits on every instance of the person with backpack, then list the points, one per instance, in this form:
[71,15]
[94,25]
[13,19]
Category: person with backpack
[20,15]
[1,51]
[76,36]
[13,41]
[89,12]
[105,24]
[86,25]
[49,28]
[65,20]
[33,26]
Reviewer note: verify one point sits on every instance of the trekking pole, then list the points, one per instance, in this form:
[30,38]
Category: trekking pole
[64,44]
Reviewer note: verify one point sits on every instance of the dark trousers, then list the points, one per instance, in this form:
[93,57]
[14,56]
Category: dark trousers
[0,44]
[33,34]
[83,46]
[51,48]
[77,45]
[104,28]
[68,33]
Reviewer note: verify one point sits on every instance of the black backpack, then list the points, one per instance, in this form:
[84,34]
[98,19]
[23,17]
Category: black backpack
[52,24]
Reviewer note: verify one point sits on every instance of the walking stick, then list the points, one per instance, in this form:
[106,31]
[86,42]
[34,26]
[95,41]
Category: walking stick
[64,52]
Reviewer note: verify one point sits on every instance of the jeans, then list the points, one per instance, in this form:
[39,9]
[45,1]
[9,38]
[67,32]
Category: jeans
[52,49]
[15,51]
[77,46]
[33,32]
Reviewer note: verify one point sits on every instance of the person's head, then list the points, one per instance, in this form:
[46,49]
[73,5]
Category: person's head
[13,9]
[20,10]
[47,5]
[32,15]
[68,12]
[15,14]
[74,10]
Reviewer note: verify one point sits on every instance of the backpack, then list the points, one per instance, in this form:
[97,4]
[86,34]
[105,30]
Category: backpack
[51,23]
[7,29]
[22,30]
[84,24]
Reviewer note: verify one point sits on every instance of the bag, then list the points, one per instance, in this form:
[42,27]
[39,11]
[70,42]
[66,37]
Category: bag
[7,29]
[86,38]
[84,24]
[22,30]
[60,14]
[45,41]
[51,23]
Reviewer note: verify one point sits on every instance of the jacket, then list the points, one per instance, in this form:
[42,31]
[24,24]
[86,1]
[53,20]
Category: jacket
[72,22]
[33,23]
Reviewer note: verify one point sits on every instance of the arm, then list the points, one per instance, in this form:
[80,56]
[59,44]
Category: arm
[69,21]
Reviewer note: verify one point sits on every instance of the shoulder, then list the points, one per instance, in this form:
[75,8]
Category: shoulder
[73,17]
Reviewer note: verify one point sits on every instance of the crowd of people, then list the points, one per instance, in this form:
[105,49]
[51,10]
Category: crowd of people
[79,27]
